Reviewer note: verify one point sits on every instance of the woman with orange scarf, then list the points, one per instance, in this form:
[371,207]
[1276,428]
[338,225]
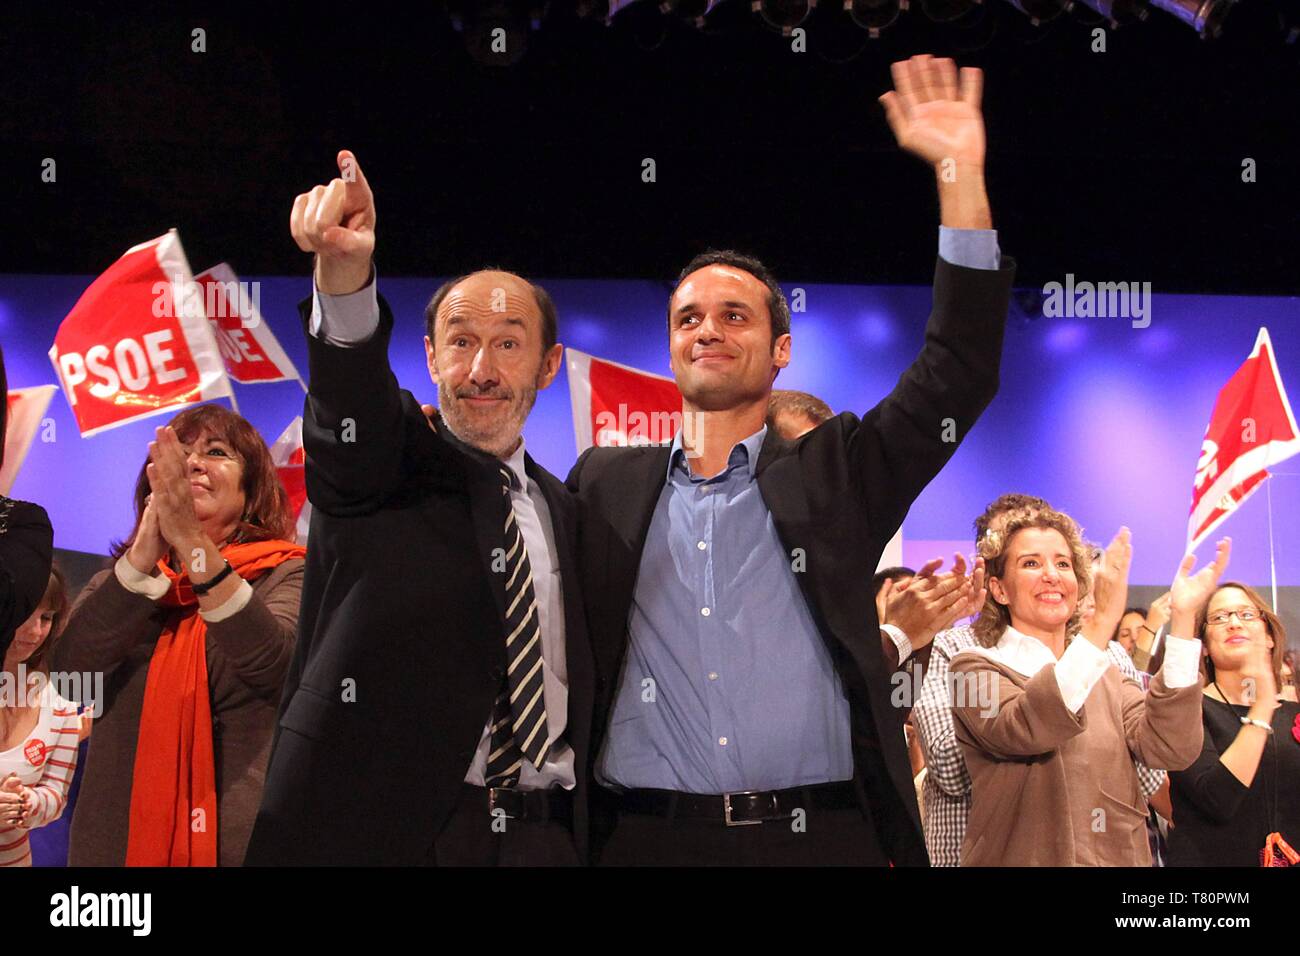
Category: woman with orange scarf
[194,628]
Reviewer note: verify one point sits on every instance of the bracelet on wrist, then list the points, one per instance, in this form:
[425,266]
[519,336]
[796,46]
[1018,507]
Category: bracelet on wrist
[1252,722]
[206,586]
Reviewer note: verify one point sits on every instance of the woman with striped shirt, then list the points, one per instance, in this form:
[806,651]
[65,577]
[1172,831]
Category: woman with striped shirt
[38,731]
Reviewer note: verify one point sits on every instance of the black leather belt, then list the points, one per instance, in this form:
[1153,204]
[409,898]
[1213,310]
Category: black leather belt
[737,809]
[533,806]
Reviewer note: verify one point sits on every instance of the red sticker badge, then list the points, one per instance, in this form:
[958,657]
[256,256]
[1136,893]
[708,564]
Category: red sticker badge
[35,751]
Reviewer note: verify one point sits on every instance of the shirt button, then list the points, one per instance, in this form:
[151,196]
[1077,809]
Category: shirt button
[701,545]
[705,611]
[722,741]
[713,675]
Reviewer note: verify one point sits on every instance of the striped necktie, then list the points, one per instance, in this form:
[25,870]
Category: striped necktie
[519,729]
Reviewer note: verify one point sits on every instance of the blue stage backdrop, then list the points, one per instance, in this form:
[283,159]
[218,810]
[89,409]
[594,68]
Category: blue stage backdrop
[1102,418]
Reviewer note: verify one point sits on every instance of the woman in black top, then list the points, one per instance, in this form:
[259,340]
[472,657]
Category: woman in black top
[1246,783]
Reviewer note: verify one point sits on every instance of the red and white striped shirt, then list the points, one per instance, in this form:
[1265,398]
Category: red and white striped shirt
[44,762]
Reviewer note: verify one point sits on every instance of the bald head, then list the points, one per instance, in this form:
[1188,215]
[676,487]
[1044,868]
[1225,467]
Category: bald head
[497,292]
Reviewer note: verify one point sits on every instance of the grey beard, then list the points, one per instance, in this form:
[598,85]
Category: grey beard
[465,433]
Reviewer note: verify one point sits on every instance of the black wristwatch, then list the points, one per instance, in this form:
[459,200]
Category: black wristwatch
[206,586]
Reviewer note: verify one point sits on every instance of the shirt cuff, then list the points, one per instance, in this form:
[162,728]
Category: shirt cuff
[1182,666]
[971,248]
[345,320]
[151,586]
[900,640]
[1078,671]
[231,605]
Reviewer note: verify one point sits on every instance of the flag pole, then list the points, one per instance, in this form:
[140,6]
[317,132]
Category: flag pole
[231,395]
[1272,559]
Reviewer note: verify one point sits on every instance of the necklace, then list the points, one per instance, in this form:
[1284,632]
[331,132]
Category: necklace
[1223,695]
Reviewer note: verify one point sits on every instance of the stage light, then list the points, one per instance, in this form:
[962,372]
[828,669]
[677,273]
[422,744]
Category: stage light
[1204,16]
[784,15]
[1120,11]
[1041,11]
[692,11]
[874,15]
[942,11]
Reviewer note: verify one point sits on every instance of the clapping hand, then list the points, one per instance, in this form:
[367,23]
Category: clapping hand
[1190,592]
[930,602]
[171,497]
[13,806]
[1110,589]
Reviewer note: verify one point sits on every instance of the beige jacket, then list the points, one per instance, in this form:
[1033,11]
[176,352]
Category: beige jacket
[1056,787]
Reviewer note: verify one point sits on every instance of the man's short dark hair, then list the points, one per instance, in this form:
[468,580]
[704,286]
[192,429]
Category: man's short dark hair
[550,323]
[786,401]
[889,574]
[778,310]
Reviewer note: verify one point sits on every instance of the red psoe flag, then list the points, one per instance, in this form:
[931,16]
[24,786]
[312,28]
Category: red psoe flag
[1251,428]
[290,461]
[616,405]
[137,342]
[248,347]
[26,408]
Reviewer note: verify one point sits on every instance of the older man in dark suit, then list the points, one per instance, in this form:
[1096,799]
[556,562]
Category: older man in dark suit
[743,694]
[439,703]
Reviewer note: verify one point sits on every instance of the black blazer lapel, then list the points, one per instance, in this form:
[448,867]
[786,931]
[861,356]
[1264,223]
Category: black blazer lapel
[641,489]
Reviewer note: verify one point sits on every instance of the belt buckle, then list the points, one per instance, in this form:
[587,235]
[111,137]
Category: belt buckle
[726,810]
[493,806]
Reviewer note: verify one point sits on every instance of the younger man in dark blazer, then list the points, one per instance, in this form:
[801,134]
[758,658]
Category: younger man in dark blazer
[741,677]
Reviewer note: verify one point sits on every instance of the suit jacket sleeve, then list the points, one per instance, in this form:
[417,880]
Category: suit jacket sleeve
[352,421]
[574,481]
[905,440]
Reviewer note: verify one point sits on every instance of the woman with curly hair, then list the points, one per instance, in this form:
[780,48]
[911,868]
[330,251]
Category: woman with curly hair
[1047,725]
[194,627]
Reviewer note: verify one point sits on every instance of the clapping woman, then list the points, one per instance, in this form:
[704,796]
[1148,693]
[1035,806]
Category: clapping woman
[1048,726]
[1245,785]
[194,626]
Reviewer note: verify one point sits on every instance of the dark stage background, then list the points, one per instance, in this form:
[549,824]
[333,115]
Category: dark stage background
[1117,166]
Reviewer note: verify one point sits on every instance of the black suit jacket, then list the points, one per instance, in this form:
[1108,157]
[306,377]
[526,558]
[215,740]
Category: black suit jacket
[836,496]
[401,647]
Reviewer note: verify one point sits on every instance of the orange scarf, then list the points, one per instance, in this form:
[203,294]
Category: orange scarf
[174,784]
